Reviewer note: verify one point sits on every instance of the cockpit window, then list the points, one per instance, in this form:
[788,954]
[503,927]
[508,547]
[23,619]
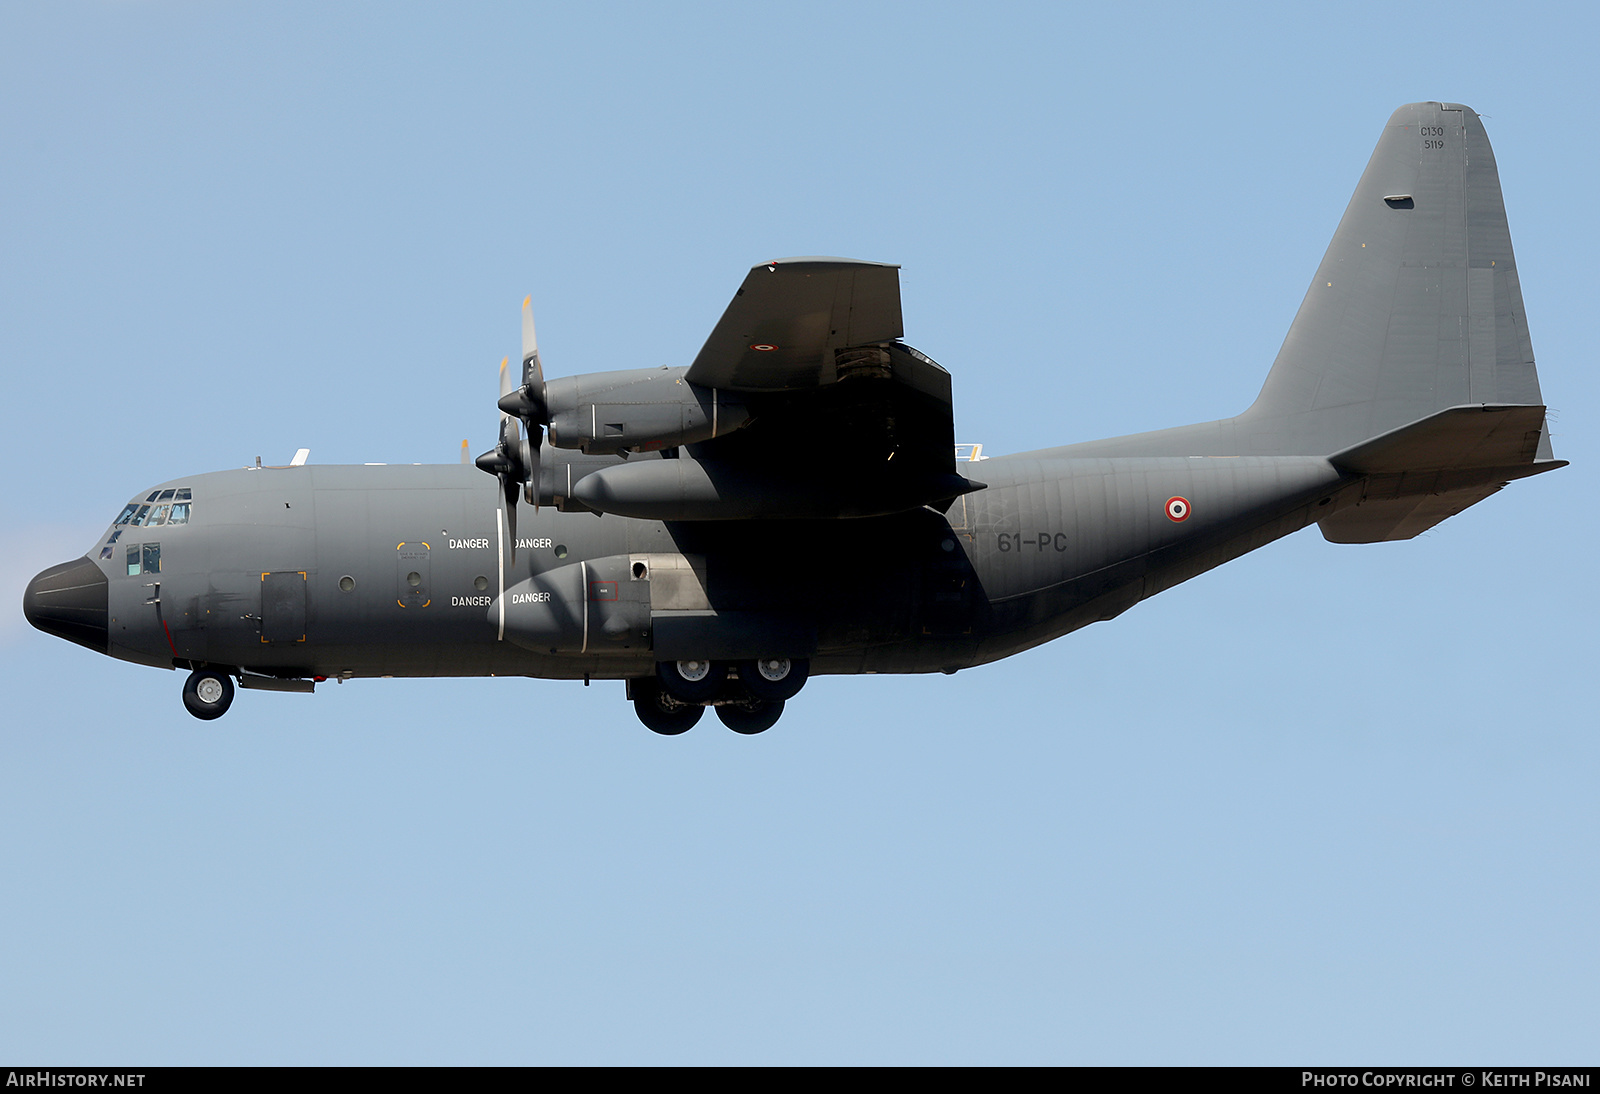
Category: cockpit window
[161,507]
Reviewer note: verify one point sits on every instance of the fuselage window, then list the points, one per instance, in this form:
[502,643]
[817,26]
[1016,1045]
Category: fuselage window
[133,559]
[152,558]
[180,513]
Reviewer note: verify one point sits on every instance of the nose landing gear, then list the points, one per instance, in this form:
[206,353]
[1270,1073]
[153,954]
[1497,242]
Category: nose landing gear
[208,693]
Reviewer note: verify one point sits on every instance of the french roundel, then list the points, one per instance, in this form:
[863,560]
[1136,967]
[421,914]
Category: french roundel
[1178,509]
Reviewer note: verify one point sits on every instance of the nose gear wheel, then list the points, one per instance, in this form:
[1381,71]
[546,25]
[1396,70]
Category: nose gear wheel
[208,693]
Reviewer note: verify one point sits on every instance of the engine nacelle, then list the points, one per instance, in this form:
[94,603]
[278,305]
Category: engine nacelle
[637,410]
[584,607]
[687,489]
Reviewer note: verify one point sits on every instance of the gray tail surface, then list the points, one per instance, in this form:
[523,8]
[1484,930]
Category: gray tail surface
[1409,362]
[1416,307]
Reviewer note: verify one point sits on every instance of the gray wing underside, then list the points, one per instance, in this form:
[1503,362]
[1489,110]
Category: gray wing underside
[787,322]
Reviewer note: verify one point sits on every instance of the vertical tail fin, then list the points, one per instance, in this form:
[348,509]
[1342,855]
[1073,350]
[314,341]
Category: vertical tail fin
[1416,306]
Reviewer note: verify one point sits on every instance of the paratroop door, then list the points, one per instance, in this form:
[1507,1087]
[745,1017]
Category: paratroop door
[283,606]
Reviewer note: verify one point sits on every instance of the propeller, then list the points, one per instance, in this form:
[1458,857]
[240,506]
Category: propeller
[513,460]
[528,403]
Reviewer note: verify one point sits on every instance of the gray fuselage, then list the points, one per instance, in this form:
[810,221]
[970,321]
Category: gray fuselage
[398,570]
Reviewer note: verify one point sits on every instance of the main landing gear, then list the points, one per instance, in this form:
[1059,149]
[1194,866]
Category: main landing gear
[208,693]
[748,695]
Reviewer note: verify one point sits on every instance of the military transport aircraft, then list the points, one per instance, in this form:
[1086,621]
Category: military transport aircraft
[793,502]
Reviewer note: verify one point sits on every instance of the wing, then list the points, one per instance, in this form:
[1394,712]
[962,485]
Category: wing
[791,317]
[835,416]
[842,412]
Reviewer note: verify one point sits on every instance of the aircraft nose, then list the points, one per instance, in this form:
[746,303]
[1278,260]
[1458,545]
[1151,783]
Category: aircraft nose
[70,601]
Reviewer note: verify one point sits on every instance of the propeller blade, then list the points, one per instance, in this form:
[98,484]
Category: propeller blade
[509,488]
[535,442]
[508,460]
[517,462]
[527,401]
[516,459]
[532,370]
[495,461]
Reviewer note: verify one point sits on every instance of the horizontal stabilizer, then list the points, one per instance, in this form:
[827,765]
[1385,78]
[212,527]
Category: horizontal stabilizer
[1430,470]
[1459,437]
[1376,521]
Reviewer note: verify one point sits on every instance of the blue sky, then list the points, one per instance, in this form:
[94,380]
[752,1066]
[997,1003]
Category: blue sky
[1324,804]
